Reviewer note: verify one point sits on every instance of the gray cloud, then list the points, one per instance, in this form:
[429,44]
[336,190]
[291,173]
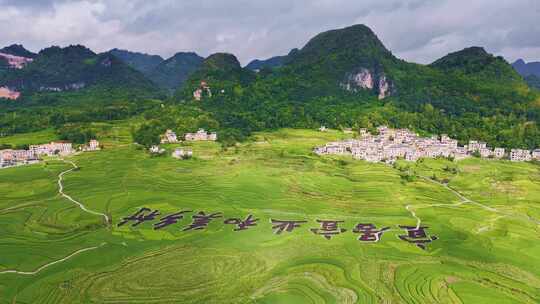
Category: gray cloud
[416,30]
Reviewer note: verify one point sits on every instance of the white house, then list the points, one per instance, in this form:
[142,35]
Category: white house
[169,137]
[476,145]
[156,150]
[499,152]
[485,152]
[520,155]
[201,135]
[182,153]
[59,147]
[536,154]
[11,157]
[93,145]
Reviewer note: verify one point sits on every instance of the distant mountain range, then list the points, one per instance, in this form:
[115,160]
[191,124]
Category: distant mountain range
[273,62]
[75,67]
[168,74]
[526,69]
[171,74]
[142,62]
[530,71]
[341,77]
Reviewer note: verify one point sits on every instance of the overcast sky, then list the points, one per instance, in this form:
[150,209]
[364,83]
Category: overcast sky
[415,30]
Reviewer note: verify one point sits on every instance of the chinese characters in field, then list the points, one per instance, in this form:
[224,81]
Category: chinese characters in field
[367,232]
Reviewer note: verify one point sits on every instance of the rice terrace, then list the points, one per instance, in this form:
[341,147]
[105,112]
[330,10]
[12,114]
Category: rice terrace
[57,250]
[270,152]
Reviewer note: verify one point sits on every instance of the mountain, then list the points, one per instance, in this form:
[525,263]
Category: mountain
[142,62]
[220,67]
[352,58]
[173,72]
[340,78]
[18,50]
[273,62]
[14,56]
[219,73]
[533,81]
[347,77]
[75,67]
[476,61]
[469,59]
[168,74]
[526,69]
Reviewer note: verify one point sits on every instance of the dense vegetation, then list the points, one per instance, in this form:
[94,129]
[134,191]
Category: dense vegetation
[76,133]
[468,94]
[273,62]
[533,81]
[76,67]
[18,50]
[42,111]
[168,74]
[173,72]
[139,61]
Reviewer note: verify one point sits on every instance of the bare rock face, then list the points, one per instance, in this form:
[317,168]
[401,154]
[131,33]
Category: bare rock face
[365,79]
[384,87]
[203,90]
[7,93]
[16,62]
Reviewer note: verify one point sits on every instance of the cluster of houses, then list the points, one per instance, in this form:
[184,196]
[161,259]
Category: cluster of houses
[170,137]
[391,144]
[11,157]
[200,135]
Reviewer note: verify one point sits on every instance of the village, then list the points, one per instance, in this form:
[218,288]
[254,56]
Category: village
[392,144]
[170,137]
[18,157]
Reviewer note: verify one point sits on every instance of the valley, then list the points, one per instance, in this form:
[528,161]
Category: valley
[484,221]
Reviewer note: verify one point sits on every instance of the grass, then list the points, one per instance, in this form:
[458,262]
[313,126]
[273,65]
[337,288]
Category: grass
[33,138]
[481,255]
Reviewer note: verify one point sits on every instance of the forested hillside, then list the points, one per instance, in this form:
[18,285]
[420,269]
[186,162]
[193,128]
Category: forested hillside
[76,67]
[340,78]
[347,78]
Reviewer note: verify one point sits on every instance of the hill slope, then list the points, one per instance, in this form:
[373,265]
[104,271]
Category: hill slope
[173,72]
[347,77]
[18,50]
[273,62]
[76,67]
[139,61]
[527,68]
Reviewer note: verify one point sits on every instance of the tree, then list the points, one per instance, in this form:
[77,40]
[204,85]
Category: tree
[148,134]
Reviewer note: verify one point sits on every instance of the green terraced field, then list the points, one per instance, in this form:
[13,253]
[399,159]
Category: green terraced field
[487,251]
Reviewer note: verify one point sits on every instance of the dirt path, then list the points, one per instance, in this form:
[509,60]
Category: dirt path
[466,200]
[53,262]
[82,206]
[61,192]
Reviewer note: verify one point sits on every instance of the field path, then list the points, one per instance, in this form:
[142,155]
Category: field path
[61,192]
[82,206]
[53,262]
[465,200]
